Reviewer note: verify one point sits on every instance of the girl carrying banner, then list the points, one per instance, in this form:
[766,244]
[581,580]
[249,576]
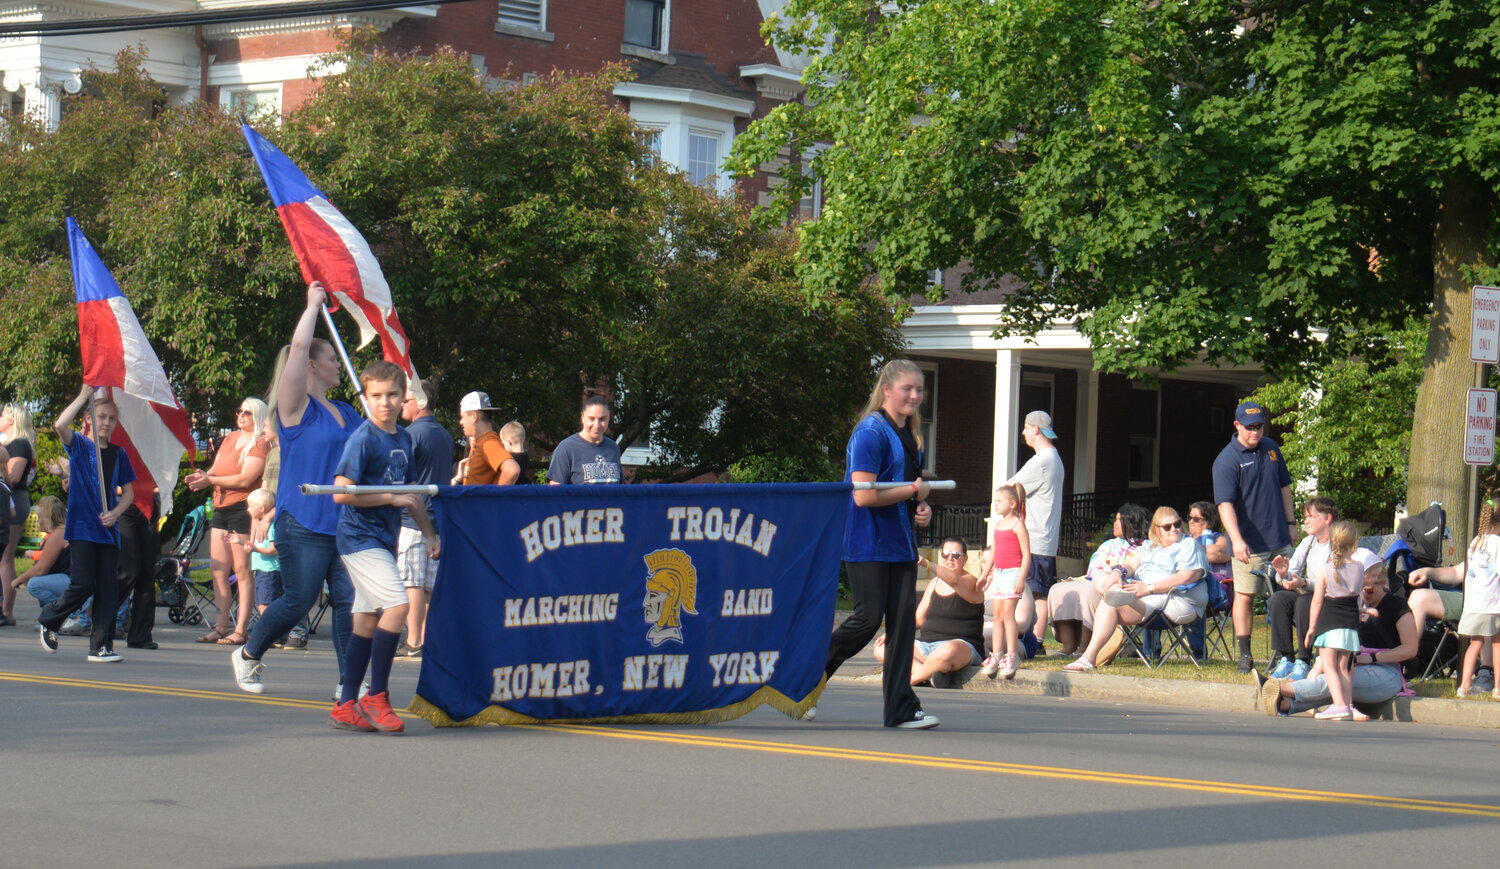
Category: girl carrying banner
[880,546]
[312,429]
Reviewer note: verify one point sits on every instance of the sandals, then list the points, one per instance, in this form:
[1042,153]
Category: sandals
[1082,665]
[233,638]
[212,636]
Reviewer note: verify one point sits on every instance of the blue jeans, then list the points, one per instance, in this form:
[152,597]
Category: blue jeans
[308,559]
[49,587]
[1371,683]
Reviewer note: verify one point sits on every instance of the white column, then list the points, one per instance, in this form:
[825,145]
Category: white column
[1086,438]
[1007,426]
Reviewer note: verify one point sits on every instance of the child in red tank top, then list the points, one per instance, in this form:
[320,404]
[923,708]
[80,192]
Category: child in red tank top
[1007,579]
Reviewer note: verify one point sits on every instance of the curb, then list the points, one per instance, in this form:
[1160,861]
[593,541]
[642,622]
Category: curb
[1215,696]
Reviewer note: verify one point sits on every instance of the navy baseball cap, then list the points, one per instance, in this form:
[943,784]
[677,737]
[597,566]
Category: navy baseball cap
[1250,413]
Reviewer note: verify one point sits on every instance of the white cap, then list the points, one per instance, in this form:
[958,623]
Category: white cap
[1366,558]
[476,401]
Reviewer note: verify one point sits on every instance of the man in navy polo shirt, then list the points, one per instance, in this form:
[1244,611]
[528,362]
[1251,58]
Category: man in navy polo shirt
[1253,489]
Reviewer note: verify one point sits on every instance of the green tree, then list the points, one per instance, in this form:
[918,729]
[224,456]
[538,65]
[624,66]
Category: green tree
[529,242]
[729,359]
[1234,180]
[1351,422]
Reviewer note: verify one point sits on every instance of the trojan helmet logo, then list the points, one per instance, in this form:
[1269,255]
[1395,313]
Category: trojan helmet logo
[671,588]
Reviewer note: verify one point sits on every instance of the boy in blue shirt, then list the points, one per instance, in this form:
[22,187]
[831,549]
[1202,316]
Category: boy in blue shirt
[378,453]
[92,529]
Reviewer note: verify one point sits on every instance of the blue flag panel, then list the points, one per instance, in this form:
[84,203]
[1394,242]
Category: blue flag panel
[630,603]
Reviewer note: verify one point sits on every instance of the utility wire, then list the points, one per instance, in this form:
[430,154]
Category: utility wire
[156,21]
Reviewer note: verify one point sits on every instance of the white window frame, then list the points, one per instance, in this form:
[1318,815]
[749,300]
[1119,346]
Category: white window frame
[680,113]
[228,94]
[711,179]
[665,36]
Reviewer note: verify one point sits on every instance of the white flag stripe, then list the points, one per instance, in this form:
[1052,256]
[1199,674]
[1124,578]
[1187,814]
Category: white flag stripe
[144,376]
[159,449]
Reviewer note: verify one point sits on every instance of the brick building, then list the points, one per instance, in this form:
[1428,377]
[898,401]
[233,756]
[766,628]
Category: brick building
[703,71]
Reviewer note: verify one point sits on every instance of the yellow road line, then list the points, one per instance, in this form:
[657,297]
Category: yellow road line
[701,740]
[190,693]
[1061,773]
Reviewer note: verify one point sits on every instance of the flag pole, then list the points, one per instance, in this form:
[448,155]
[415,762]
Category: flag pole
[344,355]
[98,453]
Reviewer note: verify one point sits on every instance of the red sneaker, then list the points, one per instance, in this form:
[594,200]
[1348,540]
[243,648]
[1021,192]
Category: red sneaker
[348,716]
[377,709]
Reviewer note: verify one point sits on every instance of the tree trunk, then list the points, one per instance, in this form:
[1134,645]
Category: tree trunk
[1437,469]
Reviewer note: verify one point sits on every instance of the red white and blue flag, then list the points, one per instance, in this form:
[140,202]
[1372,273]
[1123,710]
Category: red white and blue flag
[153,427]
[330,250]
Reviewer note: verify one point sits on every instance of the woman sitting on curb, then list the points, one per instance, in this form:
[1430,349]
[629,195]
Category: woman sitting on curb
[950,619]
[1387,635]
[1144,584]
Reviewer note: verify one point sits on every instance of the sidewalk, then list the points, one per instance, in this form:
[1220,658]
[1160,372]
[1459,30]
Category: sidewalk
[1218,696]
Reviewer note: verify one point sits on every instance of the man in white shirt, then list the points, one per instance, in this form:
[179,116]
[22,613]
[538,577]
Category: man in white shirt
[1042,477]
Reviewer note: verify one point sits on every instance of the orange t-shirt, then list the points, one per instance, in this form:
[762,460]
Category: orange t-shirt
[227,463]
[486,457]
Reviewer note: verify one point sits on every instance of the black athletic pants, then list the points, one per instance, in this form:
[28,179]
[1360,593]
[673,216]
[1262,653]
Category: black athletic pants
[138,552]
[1289,613]
[883,591]
[92,573]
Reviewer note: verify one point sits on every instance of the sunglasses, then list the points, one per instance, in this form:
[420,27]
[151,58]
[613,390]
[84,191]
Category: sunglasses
[243,412]
[1257,427]
[1169,525]
[1196,519]
[952,555]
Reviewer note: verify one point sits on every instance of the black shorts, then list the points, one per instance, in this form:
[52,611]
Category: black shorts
[1043,574]
[235,517]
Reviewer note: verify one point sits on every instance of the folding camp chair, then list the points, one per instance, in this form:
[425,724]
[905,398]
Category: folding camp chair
[1218,625]
[1172,635]
[1447,649]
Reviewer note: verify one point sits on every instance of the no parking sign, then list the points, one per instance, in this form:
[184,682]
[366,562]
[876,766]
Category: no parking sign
[1479,428]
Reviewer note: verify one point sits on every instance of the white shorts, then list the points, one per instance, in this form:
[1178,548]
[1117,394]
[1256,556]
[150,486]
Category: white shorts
[377,586]
[1006,584]
[417,569]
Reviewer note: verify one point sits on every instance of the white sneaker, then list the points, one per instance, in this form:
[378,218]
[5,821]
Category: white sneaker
[923,721]
[810,714]
[247,673]
[1118,597]
[991,666]
[105,655]
[1007,666]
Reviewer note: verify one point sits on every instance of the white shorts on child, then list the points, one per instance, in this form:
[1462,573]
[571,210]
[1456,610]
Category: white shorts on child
[1006,584]
[377,585]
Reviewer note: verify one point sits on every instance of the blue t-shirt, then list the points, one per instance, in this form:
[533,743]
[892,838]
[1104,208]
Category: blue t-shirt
[372,458]
[581,463]
[1160,562]
[310,451]
[1252,481]
[261,561]
[877,533]
[431,459]
[83,491]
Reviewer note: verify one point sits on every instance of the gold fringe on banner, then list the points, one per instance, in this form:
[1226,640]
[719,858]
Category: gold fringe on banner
[502,716]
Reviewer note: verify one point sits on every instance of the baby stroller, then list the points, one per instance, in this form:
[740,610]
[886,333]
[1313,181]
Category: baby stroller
[174,586]
[1419,543]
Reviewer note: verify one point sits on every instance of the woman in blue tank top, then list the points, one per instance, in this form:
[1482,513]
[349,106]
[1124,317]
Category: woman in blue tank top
[312,429]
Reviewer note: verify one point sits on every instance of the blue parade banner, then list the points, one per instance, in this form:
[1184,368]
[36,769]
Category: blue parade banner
[669,603]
